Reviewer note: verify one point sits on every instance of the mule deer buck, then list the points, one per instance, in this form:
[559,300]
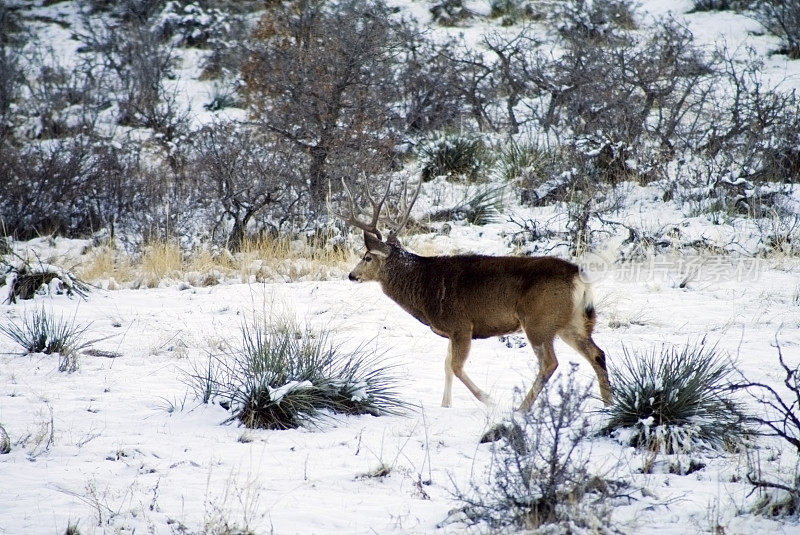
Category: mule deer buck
[466,297]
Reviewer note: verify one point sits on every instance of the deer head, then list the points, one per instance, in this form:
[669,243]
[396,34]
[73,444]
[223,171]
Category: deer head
[378,249]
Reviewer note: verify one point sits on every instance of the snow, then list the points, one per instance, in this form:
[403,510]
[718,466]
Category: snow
[132,447]
[122,445]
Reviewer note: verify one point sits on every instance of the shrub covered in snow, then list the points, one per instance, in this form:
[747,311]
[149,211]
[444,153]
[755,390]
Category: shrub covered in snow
[674,400]
[539,477]
[190,24]
[781,17]
[284,377]
[23,280]
[456,156]
[593,20]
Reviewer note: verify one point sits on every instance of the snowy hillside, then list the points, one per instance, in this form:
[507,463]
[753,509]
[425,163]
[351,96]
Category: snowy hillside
[159,226]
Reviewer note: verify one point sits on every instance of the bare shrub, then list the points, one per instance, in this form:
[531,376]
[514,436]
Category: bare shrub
[753,126]
[781,418]
[779,490]
[50,188]
[12,38]
[625,104]
[431,81]
[321,77]
[246,179]
[539,476]
[138,64]
[781,17]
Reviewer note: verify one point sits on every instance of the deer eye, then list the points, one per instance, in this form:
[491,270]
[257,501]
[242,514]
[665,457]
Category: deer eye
[367,259]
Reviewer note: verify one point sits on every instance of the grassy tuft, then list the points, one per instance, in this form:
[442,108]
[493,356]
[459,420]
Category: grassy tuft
[259,259]
[44,332]
[283,377]
[674,400]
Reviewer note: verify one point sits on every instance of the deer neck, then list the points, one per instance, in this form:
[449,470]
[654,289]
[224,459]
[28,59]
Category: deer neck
[404,279]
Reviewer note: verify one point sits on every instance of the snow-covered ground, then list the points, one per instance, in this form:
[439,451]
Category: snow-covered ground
[122,445]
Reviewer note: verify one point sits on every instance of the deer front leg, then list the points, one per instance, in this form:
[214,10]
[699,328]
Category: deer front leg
[457,354]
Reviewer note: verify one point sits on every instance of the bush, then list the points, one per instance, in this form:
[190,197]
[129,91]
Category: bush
[513,11]
[136,64]
[717,5]
[480,206]
[449,12]
[455,156]
[5,441]
[595,21]
[778,485]
[25,279]
[190,25]
[782,18]
[320,77]
[43,332]
[674,400]
[539,476]
[285,377]
[245,180]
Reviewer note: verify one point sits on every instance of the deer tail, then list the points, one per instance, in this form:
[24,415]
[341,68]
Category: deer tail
[583,299]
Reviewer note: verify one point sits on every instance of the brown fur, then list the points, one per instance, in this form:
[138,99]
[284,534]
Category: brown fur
[471,296]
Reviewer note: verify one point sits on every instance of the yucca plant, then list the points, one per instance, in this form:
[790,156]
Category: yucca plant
[452,155]
[480,206]
[44,332]
[283,377]
[5,441]
[674,399]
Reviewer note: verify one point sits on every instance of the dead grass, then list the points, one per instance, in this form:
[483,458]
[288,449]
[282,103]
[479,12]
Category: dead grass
[261,260]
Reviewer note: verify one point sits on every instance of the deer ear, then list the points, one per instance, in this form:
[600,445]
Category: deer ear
[376,246]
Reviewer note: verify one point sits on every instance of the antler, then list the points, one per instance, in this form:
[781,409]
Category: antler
[377,206]
[397,220]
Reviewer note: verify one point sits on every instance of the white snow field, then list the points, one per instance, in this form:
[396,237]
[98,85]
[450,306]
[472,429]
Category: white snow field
[122,445]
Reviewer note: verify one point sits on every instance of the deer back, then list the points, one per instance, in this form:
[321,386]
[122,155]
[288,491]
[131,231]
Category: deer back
[487,295]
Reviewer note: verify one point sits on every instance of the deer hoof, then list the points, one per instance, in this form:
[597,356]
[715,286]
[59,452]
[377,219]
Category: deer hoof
[513,433]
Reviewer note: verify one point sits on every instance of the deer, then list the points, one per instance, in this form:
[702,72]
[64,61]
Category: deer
[468,297]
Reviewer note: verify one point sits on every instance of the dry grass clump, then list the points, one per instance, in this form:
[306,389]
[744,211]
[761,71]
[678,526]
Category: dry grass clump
[268,259]
[263,259]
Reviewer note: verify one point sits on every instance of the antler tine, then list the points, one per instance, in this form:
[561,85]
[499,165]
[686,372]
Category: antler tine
[404,211]
[377,206]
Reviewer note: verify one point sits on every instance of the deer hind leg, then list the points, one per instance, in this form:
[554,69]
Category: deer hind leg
[583,344]
[548,363]
[454,365]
